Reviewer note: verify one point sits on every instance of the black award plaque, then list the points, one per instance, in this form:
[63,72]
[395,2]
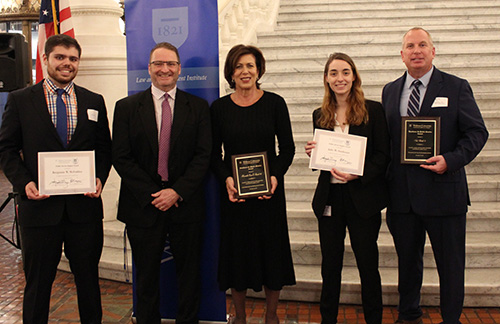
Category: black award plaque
[420,137]
[251,175]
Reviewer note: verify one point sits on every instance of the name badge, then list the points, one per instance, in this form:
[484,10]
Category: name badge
[92,114]
[440,102]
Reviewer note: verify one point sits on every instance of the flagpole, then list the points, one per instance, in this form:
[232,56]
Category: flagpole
[54,16]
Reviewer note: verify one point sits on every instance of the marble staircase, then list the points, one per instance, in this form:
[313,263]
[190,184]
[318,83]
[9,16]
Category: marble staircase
[467,40]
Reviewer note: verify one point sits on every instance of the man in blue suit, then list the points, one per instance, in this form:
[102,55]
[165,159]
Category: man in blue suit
[431,197]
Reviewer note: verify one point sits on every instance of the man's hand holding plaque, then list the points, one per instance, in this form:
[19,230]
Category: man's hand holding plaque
[420,137]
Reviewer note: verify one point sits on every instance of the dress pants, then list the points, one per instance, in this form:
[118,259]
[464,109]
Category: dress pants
[42,249]
[363,233]
[447,236]
[147,249]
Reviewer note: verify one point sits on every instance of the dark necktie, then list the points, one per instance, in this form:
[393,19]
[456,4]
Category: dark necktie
[414,101]
[62,118]
[164,143]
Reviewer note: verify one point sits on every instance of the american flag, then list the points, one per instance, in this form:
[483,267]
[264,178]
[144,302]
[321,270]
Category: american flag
[51,25]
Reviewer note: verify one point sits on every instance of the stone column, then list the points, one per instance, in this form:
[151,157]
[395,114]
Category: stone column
[103,67]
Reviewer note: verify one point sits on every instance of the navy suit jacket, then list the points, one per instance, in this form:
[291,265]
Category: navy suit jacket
[135,157]
[463,135]
[369,192]
[27,126]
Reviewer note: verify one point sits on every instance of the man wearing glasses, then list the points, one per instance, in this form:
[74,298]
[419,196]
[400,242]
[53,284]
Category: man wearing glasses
[161,150]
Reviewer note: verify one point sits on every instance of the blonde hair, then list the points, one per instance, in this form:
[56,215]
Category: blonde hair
[356,113]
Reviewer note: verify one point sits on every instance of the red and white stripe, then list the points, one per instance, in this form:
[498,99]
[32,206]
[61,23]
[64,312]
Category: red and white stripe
[47,30]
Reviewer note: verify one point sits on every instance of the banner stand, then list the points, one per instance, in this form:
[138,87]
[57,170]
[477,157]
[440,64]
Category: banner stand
[191,26]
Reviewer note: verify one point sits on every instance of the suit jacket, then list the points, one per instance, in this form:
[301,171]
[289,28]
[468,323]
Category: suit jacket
[27,127]
[463,135]
[135,157]
[368,192]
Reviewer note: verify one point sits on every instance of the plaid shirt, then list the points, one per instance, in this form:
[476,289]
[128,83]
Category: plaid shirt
[69,98]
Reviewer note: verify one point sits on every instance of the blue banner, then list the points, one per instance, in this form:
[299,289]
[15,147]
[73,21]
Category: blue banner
[191,26]
[3,102]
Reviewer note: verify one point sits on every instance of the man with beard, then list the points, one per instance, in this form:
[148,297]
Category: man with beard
[57,115]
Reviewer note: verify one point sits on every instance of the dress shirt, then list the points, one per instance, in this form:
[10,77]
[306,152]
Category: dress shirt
[69,98]
[405,94]
[158,97]
[338,128]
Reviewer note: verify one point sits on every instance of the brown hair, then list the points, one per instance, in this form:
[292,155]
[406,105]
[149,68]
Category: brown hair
[356,112]
[165,45]
[234,55]
[61,40]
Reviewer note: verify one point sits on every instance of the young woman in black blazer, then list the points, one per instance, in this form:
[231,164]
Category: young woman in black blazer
[344,200]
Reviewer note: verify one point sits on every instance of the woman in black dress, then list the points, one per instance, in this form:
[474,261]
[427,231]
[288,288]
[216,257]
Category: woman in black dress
[346,200]
[255,248]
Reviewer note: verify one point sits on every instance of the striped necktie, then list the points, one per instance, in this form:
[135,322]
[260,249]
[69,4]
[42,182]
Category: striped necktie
[414,101]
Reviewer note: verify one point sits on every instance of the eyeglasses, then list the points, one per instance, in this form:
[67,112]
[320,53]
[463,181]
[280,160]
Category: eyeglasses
[170,64]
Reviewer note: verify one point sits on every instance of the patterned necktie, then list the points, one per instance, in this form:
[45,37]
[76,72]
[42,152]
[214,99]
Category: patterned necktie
[414,101]
[62,119]
[164,143]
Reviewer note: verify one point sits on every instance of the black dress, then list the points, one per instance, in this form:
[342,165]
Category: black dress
[254,248]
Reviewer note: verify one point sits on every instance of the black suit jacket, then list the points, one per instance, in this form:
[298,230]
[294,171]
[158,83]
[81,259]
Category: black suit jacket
[369,192]
[463,135]
[27,127]
[135,157]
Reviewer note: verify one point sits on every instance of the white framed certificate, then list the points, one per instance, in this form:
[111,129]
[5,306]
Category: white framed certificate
[66,173]
[343,152]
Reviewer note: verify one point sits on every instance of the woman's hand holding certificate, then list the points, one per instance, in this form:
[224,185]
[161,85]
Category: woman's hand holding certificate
[344,152]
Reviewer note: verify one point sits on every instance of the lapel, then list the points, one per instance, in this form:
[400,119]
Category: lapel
[399,84]
[83,104]
[39,104]
[181,113]
[392,106]
[433,89]
[357,130]
[146,112]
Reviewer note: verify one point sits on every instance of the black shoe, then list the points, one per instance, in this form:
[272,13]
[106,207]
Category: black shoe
[415,321]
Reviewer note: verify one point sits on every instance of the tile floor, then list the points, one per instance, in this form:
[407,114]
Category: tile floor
[117,296]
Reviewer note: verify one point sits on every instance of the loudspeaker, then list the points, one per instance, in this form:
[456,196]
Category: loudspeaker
[15,62]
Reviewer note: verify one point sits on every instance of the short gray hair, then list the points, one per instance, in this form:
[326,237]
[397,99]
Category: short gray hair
[417,28]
